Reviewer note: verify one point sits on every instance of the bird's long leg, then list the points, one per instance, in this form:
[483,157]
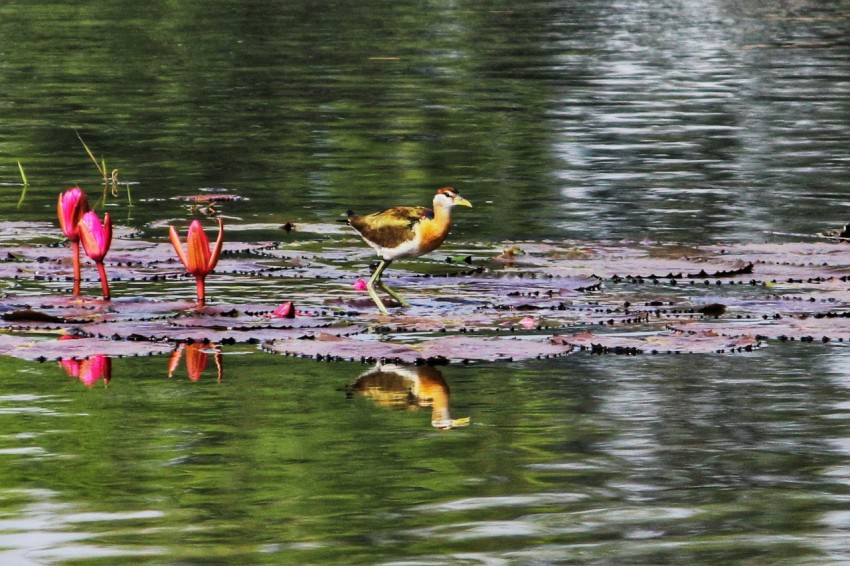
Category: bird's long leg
[389,291]
[370,286]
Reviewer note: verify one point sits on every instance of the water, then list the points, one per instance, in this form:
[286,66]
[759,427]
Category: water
[674,121]
[622,460]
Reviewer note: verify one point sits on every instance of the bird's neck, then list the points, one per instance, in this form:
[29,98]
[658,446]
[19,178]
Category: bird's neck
[442,216]
[434,230]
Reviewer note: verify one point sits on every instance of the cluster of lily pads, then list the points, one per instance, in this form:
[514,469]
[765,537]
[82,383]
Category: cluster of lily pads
[471,301]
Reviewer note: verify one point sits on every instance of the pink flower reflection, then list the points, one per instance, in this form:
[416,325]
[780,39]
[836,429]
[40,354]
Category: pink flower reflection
[90,370]
[197,356]
[71,367]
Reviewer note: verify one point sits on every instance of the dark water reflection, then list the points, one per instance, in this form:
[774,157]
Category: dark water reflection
[742,458]
[676,120]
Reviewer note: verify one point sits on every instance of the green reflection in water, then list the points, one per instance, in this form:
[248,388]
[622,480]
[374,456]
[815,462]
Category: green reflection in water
[278,462]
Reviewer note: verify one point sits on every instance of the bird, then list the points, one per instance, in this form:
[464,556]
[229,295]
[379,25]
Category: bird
[405,232]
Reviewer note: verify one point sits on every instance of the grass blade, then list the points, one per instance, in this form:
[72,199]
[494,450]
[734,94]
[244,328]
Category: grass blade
[26,184]
[23,175]
[102,170]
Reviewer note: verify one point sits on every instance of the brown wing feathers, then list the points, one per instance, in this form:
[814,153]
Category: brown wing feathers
[392,227]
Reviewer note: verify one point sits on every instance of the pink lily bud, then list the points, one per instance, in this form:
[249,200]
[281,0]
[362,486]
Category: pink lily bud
[96,239]
[198,259]
[71,208]
[286,310]
[73,204]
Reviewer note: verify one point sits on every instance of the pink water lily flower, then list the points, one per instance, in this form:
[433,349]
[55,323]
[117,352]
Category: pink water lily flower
[96,239]
[360,285]
[71,207]
[198,259]
[285,310]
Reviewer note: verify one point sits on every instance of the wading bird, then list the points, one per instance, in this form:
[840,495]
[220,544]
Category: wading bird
[405,231]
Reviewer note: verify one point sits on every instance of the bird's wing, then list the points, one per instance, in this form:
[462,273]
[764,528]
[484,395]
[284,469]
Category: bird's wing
[391,227]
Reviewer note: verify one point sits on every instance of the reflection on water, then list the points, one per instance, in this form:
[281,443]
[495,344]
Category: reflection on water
[595,119]
[649,459]
[409,387]
[197,355]
[89,370]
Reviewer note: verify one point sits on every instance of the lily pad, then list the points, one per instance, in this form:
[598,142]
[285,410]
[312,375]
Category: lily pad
[43,350]
[328,347]
[818,328]
[671,342]
[493,349]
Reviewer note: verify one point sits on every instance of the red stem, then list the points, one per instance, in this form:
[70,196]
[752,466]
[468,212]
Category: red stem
[104,282]
[75,254]
[202,296]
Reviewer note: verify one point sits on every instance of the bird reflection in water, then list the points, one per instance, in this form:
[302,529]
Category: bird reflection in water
[197,355]
[409,387]
[89,370]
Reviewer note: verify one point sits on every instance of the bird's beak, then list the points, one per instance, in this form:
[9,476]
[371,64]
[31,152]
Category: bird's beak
[460,201]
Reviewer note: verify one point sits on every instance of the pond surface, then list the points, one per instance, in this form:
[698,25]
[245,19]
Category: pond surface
[672,121]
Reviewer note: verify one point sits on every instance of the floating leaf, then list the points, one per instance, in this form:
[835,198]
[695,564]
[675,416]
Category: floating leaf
[43,350]
[494,349]
[329,347]
[465,348]
[702,342]
[205,198]
[791,290]
[818,328]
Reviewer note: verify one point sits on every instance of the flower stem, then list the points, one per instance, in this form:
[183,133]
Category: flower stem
[75,254]
[104,281]
[202,296]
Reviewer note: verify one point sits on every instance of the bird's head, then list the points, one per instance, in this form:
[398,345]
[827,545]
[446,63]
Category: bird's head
[448,197]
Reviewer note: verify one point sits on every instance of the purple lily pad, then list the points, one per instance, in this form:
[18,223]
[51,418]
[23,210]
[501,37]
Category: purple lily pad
[544,285]
[326,346]
[238,321]
[493,349]
[156,330]
[699,342]
[205,198]
[821,327]
[42,350]
[465,348]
